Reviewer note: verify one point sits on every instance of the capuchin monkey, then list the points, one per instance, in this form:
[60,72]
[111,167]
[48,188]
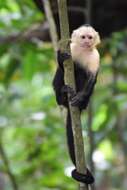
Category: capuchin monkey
[86,65]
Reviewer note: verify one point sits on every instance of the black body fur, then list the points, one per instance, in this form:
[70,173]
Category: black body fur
[85,82]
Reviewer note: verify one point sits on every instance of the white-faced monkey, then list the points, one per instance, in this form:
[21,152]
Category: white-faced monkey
[86,65]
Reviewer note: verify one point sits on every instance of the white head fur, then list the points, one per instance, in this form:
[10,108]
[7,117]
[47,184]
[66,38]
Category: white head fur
[83,47]
[85,36]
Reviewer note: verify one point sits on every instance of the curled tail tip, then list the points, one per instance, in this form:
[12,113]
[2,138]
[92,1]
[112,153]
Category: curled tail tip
[84,178]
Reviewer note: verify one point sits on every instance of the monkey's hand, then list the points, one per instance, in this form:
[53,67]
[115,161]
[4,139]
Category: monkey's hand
[78,99]
[61,57]
[75,99]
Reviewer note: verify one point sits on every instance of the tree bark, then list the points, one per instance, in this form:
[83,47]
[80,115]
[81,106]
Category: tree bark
[69,80]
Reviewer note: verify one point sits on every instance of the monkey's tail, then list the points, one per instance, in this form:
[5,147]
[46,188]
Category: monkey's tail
[84,178]
[70,138]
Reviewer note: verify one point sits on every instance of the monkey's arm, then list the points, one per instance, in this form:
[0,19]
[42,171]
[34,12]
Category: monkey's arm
[90,84]
[81,98]
[58,82]
[88,89]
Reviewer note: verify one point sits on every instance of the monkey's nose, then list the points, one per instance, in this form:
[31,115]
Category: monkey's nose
[86,43]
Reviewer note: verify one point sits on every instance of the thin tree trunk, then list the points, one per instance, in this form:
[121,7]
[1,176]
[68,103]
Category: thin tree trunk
[90,107]
[119,123]
[52,26]
[69,80]
[91,140]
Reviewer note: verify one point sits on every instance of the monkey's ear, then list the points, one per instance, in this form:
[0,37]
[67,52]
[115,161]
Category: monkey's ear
[97,39]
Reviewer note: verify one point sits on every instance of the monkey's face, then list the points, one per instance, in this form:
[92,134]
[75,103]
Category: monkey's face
[86,40]
[85,37]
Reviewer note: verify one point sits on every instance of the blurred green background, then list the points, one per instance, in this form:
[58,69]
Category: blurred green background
[33,151]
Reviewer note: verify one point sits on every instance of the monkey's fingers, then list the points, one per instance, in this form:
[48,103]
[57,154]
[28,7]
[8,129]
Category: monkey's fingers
[75,101]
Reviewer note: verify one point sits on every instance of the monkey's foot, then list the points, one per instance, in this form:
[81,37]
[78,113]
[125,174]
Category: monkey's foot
[84,178]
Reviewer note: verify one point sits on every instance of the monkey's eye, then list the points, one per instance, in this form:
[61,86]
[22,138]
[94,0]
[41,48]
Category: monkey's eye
[90,37]
[83,37]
